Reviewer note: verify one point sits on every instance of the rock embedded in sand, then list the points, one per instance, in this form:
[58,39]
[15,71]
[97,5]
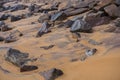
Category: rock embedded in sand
[14,36]
[16,57]
[3,16]
[52,74]
[4,27]
[80,26]
[47,47]
[45,28]
[90,52]
[112,10]
[28,68]
[1,39]
[15,18]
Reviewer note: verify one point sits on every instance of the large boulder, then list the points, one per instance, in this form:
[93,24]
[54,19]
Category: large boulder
[51,74]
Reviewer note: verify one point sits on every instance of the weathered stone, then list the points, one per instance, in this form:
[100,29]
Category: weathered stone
[15,18]
[76,11]
[58,16]
[80,25]
[51,74]
[28,68]
[68,23]
[14,36]
[112,10]
[45,28]
[4,16]
[16,57]
[90,52]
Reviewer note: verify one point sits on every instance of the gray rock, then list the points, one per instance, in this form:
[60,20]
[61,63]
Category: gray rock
[51,74]
[15,18]
[90,52]
[4,27]
[16,57]
[28,68]
[80,26]
[1,39]
[45,28]
[117,2]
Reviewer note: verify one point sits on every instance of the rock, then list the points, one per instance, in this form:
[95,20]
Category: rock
[34,8]
[112,10]
[28,68]
[117,22]
[68,23]
[58,16]
[76,11]
[80,26]
[14,36]
[1,39]
[90,52]
[15,18]
[51,74]
[96,19]
[45,28]
[4,16]
[17,7]
[44,18]
[55,5]
[47,47]
[76,36]
[16,57]
[117,2]
[4,27]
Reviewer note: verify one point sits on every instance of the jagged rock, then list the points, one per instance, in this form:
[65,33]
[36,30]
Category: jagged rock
[80,25]
[14,36]
[51,74]
[90,52]
[4,27]
[45,28]
[16,57]
[15,18]
[58,16]
[28,68]
[112,10]
[43,18]
[1,39]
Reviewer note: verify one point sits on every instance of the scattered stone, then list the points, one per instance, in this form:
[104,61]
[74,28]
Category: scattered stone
[28,68]
[90,52]
[58,16]
[4,16]
[112,10]
[16,57]
[44,18]
[83,57]
[80,26]
[15,18]
[47,47]
[51,74]
[74,60]
[76,36]
[68,23]
[45,28]
[14,36]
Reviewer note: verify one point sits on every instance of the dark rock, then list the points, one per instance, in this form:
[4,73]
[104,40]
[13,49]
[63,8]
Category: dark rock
[117,2]
[55,5]
[15,18]
[4,27]
[74,60]
[117,22]
[28,68]
[51,74]
[14,36]
[1,39]
[112,10]
[76,11]
[80,26]
[17,7]
[58,16]
[90,52]
[45,28]
[4,16]
[16,57]
[68,23]
[47,47]
[34,8]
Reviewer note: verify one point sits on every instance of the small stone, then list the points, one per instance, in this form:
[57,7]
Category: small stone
[90,52]
[1,39]
[51,74]
[28,68]
[47,47]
